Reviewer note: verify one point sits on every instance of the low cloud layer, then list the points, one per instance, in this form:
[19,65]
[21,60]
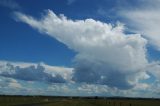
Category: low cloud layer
[34,72]
[105,54]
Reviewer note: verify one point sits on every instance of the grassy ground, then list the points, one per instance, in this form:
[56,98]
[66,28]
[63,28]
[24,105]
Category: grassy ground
[53,101]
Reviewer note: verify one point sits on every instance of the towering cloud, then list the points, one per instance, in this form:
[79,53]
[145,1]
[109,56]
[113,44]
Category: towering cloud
[105,54]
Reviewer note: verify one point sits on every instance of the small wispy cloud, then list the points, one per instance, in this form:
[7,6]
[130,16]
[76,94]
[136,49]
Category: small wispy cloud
[11,4]
[69,2]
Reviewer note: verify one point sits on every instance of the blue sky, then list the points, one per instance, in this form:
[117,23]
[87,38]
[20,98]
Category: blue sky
[77,47]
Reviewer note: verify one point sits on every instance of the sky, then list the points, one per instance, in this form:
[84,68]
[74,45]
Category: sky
[80,48]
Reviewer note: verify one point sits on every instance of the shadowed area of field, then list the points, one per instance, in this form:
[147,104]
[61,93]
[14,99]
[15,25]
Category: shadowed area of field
[75,101]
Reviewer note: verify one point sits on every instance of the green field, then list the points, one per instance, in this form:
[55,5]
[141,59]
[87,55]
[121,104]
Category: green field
[66,101]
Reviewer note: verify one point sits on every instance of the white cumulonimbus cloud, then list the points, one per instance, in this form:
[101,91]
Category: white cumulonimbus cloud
[105,54]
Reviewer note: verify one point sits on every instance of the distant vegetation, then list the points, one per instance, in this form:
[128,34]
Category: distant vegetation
[75,101]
